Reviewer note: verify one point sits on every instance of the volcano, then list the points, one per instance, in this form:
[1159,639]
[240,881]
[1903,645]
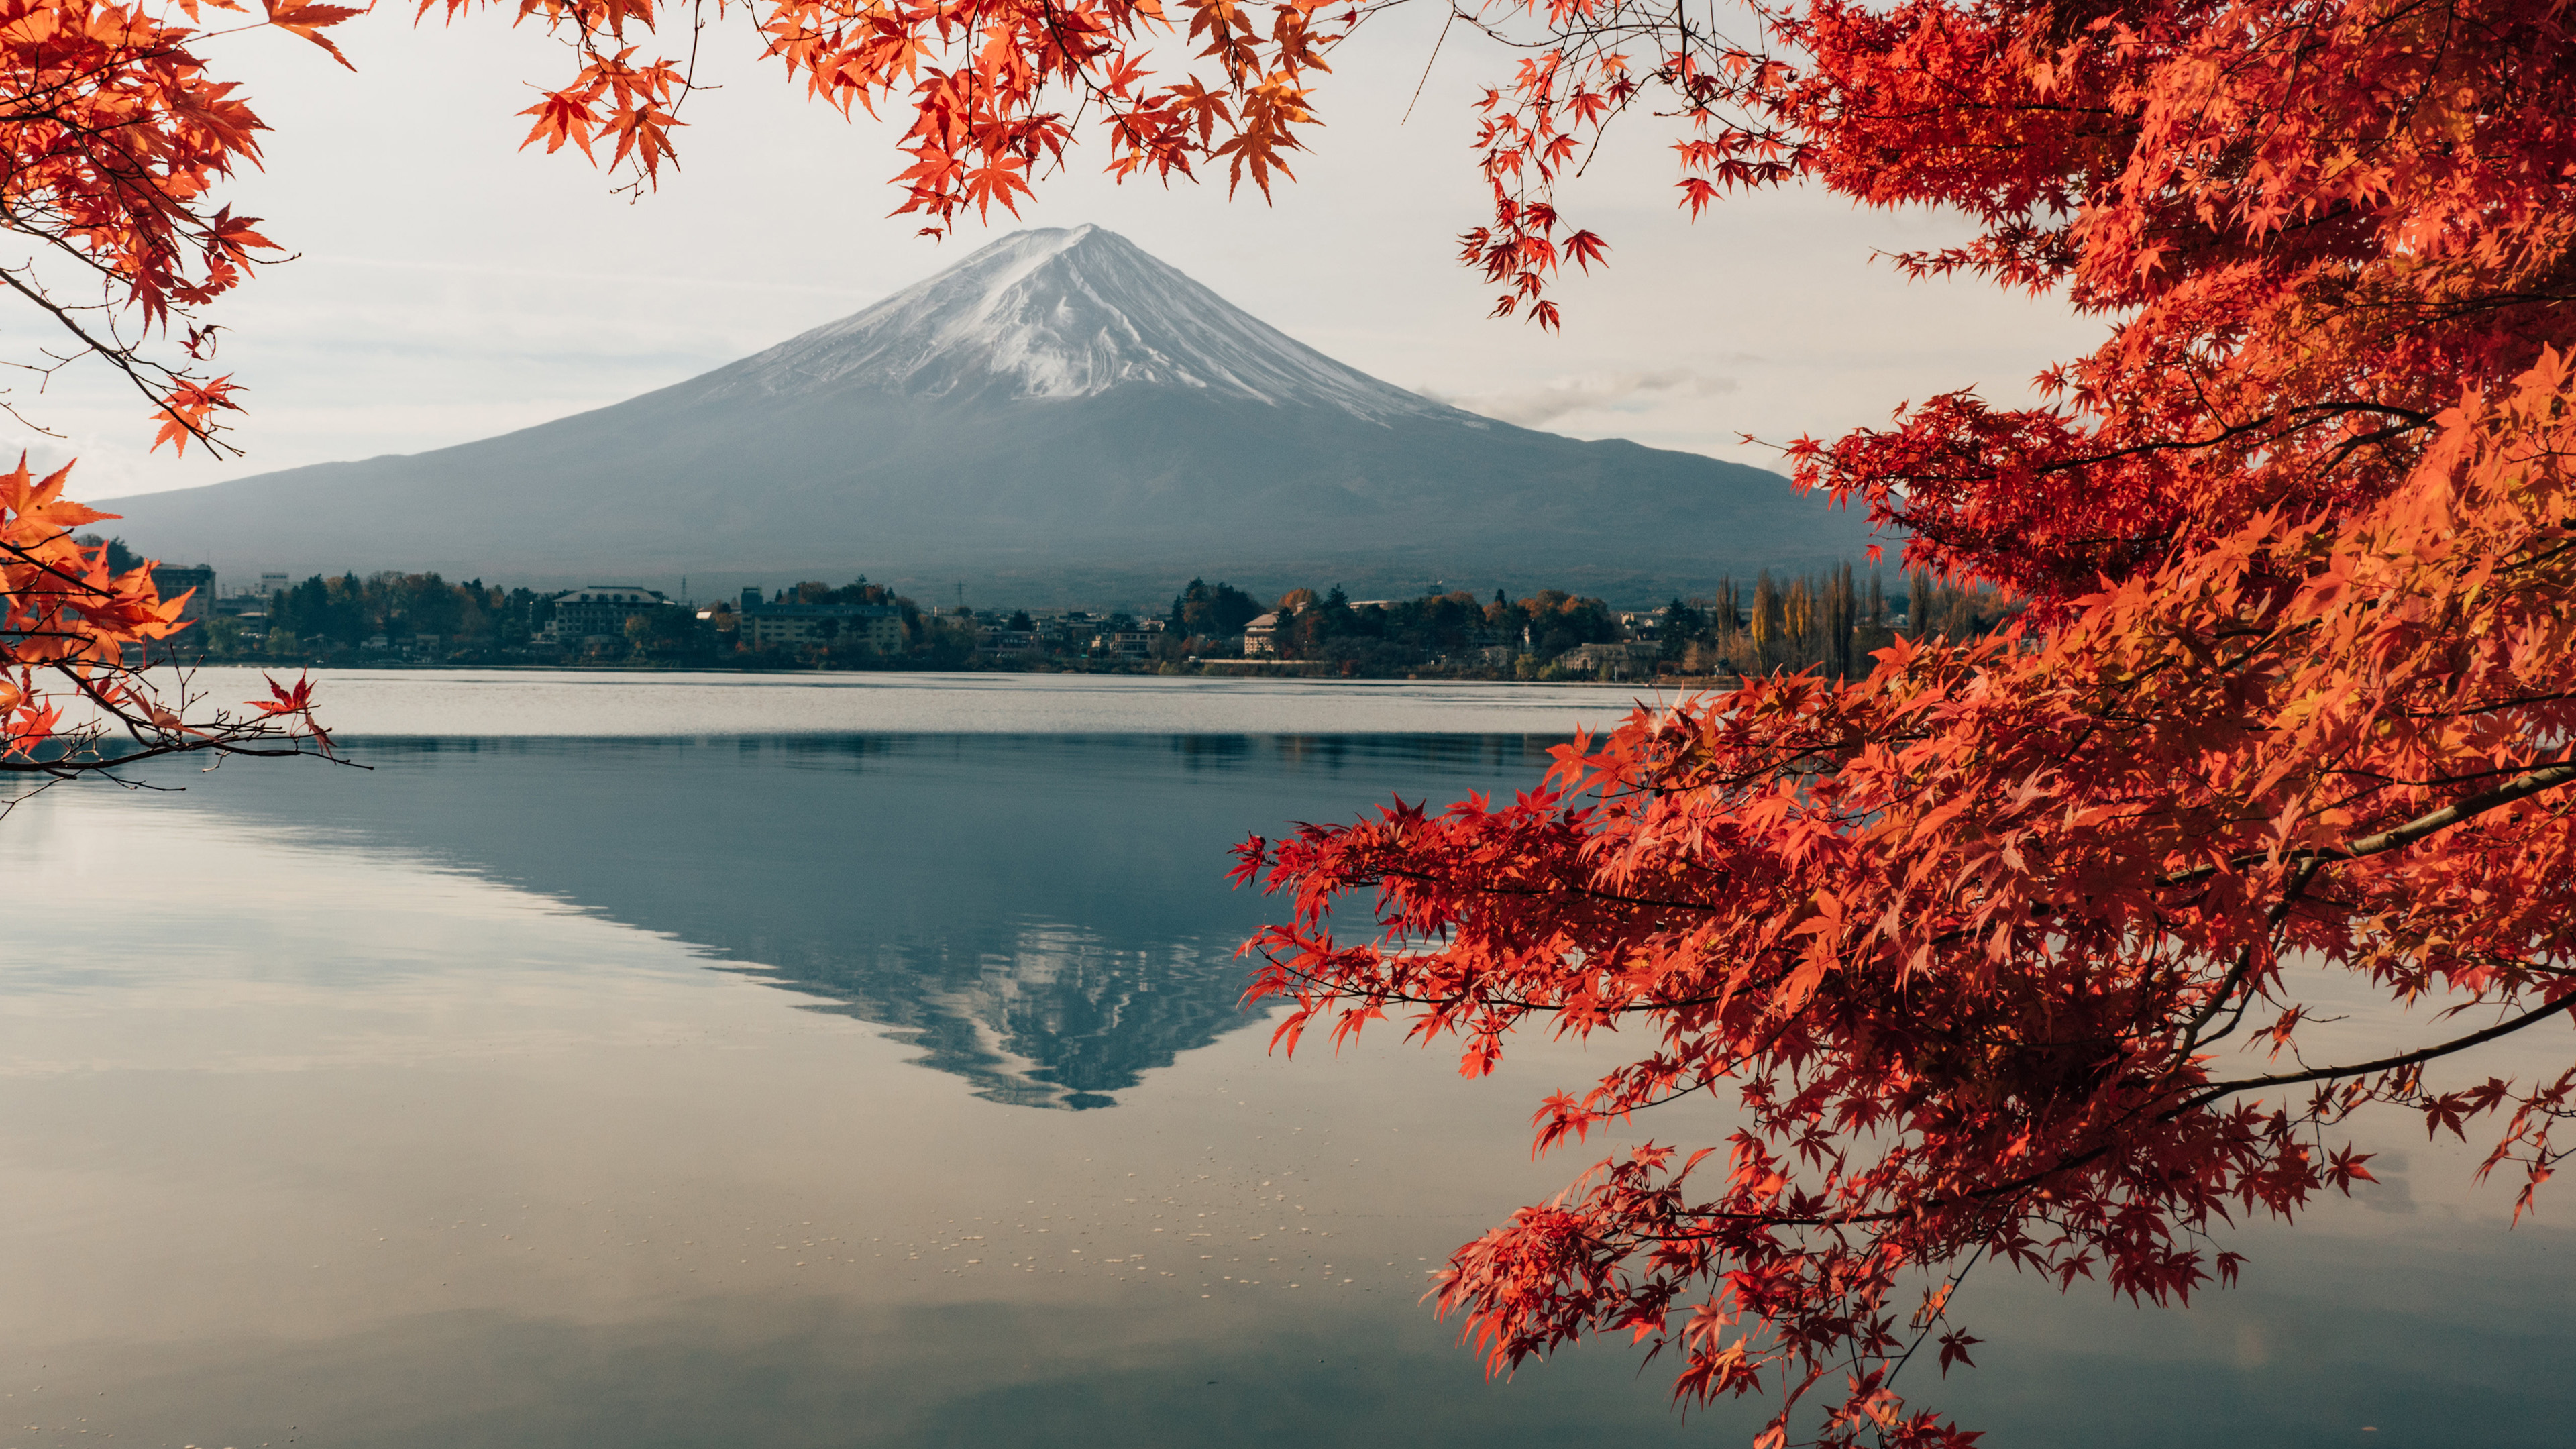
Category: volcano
[1058,418]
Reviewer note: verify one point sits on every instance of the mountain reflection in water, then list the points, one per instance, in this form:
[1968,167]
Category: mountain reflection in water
[1045,916]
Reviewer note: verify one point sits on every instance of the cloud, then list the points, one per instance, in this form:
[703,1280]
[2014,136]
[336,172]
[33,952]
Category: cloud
[1592,392]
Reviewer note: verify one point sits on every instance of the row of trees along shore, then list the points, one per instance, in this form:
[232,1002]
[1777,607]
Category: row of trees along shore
[1819,621]
[1823,621]
[1828,621]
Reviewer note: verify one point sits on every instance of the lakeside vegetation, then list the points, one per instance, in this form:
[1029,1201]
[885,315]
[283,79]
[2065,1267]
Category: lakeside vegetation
[1832,621]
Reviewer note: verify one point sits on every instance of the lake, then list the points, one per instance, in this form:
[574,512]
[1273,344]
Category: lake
[858,1060]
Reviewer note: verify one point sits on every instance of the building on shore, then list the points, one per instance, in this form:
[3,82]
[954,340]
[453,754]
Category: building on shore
[1260,637]
[599,611]
[781,624]
[1610,661]
[1133,642]
[172,580]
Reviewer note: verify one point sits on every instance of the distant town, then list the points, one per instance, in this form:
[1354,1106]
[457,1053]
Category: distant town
[1831,619]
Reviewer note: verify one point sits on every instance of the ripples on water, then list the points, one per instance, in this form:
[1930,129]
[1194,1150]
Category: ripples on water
[704,1086]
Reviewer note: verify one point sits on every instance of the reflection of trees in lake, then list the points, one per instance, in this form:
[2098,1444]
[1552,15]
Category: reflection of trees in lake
[1046,916]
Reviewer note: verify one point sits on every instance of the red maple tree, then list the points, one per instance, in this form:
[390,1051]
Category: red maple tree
[1972,945]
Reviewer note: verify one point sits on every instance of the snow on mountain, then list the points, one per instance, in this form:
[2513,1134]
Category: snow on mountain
[1060,314]
[1058,416]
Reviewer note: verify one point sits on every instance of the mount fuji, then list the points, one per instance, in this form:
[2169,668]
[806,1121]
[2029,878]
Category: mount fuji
[1058,418]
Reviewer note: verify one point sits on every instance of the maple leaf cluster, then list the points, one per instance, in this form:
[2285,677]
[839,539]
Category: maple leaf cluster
[993,88]
[112,134]
[72,631]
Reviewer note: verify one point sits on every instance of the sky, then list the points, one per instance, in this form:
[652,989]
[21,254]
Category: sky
[449,286]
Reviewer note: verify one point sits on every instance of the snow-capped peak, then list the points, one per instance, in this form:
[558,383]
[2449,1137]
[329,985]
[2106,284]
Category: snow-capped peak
[1063,314]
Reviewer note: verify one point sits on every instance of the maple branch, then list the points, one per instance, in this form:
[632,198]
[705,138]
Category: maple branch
[68,768]
[2446,817]
[2216,1090]
[2218,999]
[2352,445]
[2203,1097]
[1937,1314]
[1427,63]
[1581,892]
[2305,872]
[2208,1094]
[123,358]
[26,557]
[2398,837]
[1333,991]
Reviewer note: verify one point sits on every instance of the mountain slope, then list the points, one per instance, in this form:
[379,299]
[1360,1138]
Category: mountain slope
[1060,417]
[1058,315]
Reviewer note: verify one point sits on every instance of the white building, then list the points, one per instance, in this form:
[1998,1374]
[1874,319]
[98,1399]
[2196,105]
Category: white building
[1259,636]
[600,611]
[879,627]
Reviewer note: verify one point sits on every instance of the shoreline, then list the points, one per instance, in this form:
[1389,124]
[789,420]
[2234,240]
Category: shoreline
[1206,670]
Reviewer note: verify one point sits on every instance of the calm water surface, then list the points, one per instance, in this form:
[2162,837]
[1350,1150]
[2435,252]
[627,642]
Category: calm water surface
[608,702]
[765,1080]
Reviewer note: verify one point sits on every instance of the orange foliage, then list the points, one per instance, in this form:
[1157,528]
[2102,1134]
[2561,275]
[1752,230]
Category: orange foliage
[992,87]
[113,134]
[71,624]
[1964,942]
